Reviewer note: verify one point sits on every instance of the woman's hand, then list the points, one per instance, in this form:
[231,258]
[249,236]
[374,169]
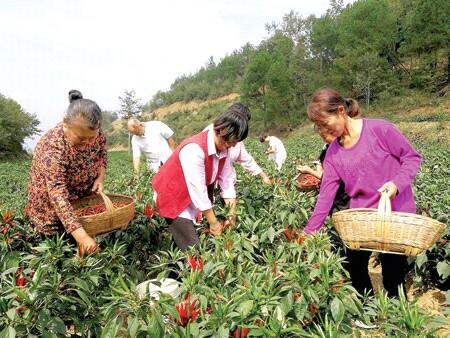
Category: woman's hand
[216,228]
[85,242]
[98,185]
[304,169]
[390,188]
[265,178]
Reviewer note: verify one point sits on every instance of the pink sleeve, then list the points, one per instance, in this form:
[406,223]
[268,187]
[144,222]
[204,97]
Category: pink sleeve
[192,161]
[246,160]
[227,180]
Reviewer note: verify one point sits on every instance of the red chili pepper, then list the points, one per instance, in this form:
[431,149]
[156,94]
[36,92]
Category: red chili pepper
[243,333]
[95,209]
[21,309]
[228,245]
[149,211]
[195,264]
[274,269]
[290,234]
[301,238]
[296,296]
[21,280]
[187,311]
[443,243]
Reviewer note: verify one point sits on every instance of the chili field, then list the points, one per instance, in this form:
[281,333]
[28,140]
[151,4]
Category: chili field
[259,279]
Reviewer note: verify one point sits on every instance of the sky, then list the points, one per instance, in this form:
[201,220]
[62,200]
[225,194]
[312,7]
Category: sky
[103,48]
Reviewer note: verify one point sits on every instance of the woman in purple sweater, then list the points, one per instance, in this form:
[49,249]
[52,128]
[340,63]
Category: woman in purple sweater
[369,156]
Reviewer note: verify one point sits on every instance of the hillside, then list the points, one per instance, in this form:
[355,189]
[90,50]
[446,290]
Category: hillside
[425,116]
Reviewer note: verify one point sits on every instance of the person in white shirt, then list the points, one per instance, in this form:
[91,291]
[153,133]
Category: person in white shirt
[154,140]
[276,150]
[239,154]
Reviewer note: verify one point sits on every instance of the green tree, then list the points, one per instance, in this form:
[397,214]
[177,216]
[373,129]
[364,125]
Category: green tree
[366,30]
[15,126]
[129,105]
[426,33]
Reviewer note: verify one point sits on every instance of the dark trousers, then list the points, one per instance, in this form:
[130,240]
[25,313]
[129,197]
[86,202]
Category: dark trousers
[183,232]
[394,269]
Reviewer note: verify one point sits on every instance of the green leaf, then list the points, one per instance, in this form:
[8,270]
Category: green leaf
[111,329]
[337,310]
[291,218]
[443,268]
[56,325]
[223,332]
[8,332]
[421,260]
[154,327]
[271,234]
[133,325]
[245,307]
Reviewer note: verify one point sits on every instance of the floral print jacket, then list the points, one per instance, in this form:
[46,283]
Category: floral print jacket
[60,174]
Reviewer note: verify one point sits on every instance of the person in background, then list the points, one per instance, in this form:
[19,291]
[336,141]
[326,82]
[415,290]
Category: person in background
[239,153]
[69,162]
[341,201]
[276,150]
[181,185]
[154,140]
[370,156]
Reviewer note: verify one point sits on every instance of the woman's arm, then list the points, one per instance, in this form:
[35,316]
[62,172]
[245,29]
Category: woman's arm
[399,146]
[192,160]
[59,199]
[328,189]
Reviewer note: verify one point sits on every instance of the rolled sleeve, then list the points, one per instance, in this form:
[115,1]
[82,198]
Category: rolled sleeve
[192,161]
[135,147]
[247,161]
[166,132]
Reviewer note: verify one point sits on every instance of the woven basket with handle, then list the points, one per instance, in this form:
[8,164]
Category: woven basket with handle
[109,220]
[385,231]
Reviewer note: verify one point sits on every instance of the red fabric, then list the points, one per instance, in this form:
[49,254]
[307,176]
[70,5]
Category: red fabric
[170,184]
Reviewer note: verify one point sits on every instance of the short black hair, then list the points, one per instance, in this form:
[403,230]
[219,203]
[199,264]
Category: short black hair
[87,109]
[263,136]
[241,109]
[231,125]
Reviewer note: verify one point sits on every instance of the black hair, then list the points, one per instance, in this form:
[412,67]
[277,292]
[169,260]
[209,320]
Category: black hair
[74,95]
[263,136]
[80,107]
[232,125]
[241,109]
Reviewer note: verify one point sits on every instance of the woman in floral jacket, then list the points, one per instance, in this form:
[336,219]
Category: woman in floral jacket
[69,162]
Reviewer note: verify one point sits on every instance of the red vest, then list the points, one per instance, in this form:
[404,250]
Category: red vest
[169,183]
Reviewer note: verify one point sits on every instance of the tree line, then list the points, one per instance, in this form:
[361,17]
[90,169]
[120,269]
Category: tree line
[370,50]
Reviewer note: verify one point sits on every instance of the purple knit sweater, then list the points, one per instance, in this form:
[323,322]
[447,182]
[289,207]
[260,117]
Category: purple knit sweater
[380,155]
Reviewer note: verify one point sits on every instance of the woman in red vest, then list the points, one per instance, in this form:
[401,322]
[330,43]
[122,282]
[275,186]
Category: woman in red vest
[181,185]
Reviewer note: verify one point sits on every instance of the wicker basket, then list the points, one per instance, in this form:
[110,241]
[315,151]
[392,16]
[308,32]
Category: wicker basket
[306,187]
[385,231]
[110,220]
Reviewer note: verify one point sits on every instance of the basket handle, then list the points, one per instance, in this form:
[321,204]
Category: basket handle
[109,206]
[384,205]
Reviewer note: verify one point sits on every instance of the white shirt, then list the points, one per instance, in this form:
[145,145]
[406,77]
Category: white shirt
[153,144]
[278,148]
[192,160]
[239,154]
